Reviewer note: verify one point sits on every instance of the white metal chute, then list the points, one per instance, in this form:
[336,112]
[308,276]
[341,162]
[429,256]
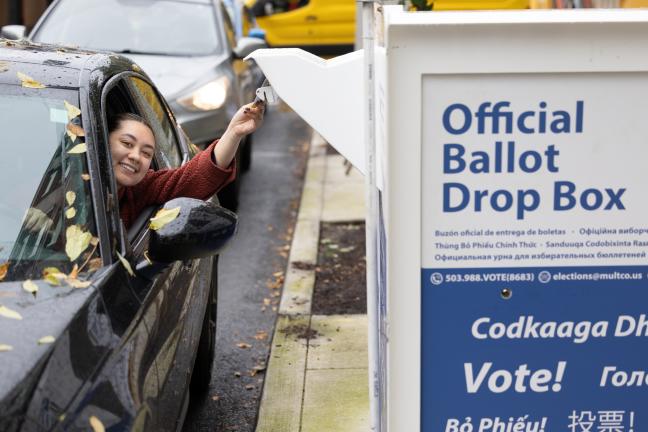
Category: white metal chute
[328,94]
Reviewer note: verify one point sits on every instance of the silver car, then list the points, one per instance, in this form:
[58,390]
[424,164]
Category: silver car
[188,47]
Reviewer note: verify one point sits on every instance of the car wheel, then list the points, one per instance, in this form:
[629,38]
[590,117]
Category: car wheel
[202,371]
[246,154]
[228,197]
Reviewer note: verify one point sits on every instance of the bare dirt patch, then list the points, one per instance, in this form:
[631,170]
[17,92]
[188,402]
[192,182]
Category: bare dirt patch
[340,278]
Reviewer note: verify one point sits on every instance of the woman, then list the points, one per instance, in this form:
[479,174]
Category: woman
[132,147]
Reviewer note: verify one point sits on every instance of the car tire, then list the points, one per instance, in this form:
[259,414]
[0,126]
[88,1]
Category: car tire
[246,154]
[228,197]
[202,370]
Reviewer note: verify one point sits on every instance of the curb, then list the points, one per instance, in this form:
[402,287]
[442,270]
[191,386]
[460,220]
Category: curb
[281,402]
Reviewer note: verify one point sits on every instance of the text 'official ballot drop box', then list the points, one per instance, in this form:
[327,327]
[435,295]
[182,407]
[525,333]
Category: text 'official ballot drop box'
[512,153]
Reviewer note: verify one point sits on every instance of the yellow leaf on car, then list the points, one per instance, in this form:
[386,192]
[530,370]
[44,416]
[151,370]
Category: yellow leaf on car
[75,272]
[5,348]
[72,111]
[78,149]
[46,340]
[29,82]
[126,264]
[8,313]
[70,213]
[94,241]
[4,268]
[96,424]
[70,197]
[85,177]
[52,279]
[76,283]
[30,286]
[163,217]
[74,130]
[76,241]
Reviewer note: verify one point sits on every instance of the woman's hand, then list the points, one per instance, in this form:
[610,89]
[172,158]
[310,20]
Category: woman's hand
[247,119]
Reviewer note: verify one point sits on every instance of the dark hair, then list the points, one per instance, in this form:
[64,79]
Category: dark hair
[115,121]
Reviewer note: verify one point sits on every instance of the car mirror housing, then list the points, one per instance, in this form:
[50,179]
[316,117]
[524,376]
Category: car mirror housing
[201,229]
[13,32]
[247,45]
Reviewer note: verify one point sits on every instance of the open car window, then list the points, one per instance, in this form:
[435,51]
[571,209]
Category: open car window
[46,215]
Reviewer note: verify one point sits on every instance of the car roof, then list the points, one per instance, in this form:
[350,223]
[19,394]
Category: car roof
[53,65]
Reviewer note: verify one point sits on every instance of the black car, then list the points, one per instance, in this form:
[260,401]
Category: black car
[99,325]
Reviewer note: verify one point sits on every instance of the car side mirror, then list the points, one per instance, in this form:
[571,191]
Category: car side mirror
[200,229]
[247,45]
[13,32]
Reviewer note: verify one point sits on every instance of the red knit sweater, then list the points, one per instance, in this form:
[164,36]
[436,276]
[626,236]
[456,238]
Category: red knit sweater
[199,178]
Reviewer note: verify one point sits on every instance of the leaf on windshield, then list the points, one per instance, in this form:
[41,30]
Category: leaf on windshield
[8,313]
[96,424]
[163,217]
[30,287]
[53,276]
[4,268]
[29,82]
[46,340]
[72,111]
[76,241]
[76,283]
[74,130]
[126,264]
[78,149]
[4,66]
[94,241]
[85,177]
[5,348]
[70,197]
[70,213]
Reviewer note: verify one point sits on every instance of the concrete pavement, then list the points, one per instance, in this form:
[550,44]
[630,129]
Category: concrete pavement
[317,371]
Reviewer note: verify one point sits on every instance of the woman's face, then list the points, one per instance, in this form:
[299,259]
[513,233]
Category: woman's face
[132,146]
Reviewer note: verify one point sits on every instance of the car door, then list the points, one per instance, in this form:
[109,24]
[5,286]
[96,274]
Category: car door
[173,300]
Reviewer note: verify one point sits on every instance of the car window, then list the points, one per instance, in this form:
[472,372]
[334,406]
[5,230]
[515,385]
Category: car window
[143,26]
[46,212]
[229,29]
[167,147]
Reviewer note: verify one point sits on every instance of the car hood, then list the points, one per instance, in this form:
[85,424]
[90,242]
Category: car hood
[46,314]
[174,76]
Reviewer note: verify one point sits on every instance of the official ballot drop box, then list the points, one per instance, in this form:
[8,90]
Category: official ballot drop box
[515,160]
[512,158]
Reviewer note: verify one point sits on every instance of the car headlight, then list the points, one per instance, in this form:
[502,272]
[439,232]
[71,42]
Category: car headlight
[211,96]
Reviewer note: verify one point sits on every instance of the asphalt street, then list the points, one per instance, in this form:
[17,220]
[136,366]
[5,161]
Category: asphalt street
[251,273]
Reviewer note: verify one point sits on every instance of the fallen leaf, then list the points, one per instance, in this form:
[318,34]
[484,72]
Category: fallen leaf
[4,268]
[347,249]
[52,279]
[70,213]
[72,111]
[266,301]
[237,374]
[46,340]
[4,66]
[29,82]
[5,348]
[76,283]
[94,264]
[30,286]
[70,196]
[8,313]
[243,345]
[74,130]
[96,424]
[163,217]
[249,387]
[94,241]
[126,264]
[78,149]
[136,68]
[261,335]
[76,241]
[85,177]
[278,274]
[74,273]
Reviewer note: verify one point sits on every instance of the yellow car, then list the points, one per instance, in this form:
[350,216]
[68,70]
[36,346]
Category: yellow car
[328,26]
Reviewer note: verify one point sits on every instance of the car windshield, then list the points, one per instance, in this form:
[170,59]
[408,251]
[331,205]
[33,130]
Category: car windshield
[46,216]
[157,27]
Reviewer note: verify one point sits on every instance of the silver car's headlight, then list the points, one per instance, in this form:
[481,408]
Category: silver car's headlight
[211,96]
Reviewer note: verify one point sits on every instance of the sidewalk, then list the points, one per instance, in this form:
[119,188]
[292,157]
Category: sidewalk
[317,371]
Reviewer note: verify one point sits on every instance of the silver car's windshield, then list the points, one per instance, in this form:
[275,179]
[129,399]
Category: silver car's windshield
[157,27]
[46,213]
